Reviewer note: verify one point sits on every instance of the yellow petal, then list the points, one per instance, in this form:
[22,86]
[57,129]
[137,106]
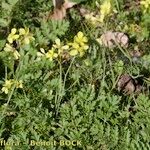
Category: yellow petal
[39,54]
[80,35]
[10,40]
[16,54]
[57,41]
[51,59]
[85,39]
[65,47]
[22,31]
[5,90]
[49,54]
[101,19]
[19,84]
[16,36]
[8,48]
[42,50]
[13,30]
[8,82]
[81,54]
[85,47]
[75,45]
[105,8]
[73,52]
[55,55]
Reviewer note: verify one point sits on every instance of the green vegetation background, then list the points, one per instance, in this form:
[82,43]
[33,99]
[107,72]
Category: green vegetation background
[75,99]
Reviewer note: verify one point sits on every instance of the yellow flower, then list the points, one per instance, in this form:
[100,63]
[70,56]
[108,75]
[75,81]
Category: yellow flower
[79,45]
[105,9]
[91,18]
[27,37]
[75,49]
[9,48]
[80,38]
[12,36]
[74,52]
[145,4]
[125,28]
[22,31]
[78,49]
[19,84]
[7,86]
[59,46]
[102,17]
[51,54]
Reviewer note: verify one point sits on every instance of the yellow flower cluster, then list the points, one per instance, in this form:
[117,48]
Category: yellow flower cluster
[92,19]
[12,36]
[146,5]
[51,53]
[9,83]
[105,9]
[22,36]
[11,49]
[59,46]
[25,36]
[78,46]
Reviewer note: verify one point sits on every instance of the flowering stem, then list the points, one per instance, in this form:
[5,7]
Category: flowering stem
[68,72]
[59,95]
[62,87]
[10,95]
[14,86]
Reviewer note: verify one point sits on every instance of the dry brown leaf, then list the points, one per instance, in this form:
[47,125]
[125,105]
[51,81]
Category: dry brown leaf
[60,9]
[123,80]
[128,85]
[111,39]
[58,14]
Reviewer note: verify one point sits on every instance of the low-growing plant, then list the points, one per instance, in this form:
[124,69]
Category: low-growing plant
[66,84]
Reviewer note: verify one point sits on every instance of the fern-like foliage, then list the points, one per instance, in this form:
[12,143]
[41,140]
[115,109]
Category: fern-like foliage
[6,11]
[50,30]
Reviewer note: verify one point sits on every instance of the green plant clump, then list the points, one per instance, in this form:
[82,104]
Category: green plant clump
[75,77]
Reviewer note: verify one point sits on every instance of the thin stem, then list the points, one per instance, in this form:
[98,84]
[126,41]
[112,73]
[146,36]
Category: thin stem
[61,90]
[68,72]
[117,4]
[14,86]
[104,68]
